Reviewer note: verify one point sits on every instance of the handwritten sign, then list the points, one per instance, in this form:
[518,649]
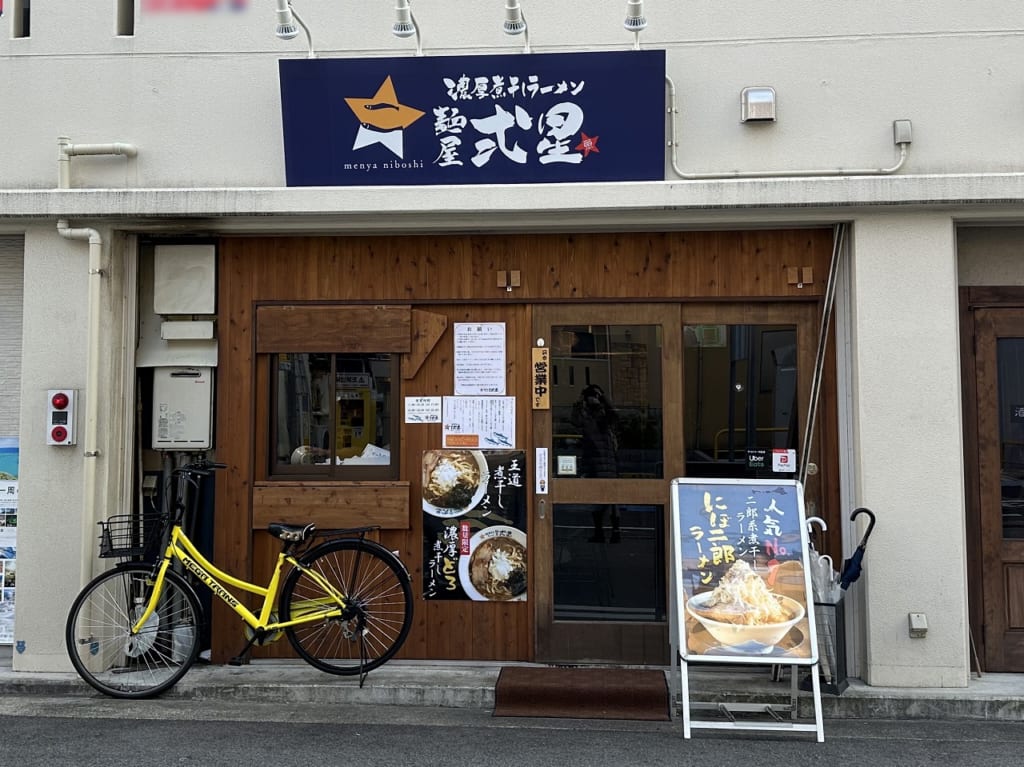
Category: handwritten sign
[742,577]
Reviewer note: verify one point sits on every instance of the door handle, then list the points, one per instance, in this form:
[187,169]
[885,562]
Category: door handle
[542,508]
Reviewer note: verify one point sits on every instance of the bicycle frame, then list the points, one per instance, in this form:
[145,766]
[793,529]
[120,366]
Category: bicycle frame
[330,605]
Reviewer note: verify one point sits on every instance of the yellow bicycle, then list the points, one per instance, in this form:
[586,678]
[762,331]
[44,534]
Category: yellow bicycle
[345,603]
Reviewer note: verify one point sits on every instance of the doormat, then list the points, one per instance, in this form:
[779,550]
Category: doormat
[582,693]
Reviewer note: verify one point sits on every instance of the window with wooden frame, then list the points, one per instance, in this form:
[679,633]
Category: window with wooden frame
[334,389]
[335,377]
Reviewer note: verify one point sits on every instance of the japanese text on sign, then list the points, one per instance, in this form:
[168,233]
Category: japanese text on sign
[480,358]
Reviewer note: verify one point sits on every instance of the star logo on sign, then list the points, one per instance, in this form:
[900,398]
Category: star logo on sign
[588,144]
[382,119]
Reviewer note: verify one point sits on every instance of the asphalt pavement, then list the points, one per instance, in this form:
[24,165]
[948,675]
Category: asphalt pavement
[94,731]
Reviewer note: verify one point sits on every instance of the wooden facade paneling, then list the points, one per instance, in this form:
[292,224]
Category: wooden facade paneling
[321,328]
[449,279]
[332,505]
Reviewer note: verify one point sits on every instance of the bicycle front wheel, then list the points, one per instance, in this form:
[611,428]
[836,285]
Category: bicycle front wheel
[118,663]
[378,599]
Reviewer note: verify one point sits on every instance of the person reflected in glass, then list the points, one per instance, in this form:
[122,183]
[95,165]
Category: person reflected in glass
[595,416]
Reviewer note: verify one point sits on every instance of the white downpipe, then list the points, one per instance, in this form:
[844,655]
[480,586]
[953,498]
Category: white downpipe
[92,378]
[67,150]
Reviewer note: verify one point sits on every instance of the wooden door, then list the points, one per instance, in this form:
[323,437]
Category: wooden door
[1000,439]
[701,389]
[613,440]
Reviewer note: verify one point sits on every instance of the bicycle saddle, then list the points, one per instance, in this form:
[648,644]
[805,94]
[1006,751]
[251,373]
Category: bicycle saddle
[291,533]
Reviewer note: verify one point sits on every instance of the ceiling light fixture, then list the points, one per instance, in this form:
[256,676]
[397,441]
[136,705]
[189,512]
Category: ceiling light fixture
[635,21]
[405,24]
[515,22]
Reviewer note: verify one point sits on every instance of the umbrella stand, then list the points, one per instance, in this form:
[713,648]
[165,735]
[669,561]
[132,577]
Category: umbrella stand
[829,588]
[826,595]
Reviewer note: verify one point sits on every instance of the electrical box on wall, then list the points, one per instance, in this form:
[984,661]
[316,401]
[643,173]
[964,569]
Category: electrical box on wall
[182,408]
[60,417]
[184,279]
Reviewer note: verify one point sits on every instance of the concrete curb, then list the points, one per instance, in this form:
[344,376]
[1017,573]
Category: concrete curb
[995,697]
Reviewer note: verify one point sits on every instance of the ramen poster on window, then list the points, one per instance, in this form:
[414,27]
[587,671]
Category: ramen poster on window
[474,525]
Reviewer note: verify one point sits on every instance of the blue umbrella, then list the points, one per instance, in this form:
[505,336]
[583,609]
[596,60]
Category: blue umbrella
[852,566]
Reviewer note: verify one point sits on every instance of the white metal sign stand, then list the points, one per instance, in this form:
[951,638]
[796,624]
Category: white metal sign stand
[733,537]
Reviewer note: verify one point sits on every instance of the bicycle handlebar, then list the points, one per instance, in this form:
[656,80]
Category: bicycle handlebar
[203,467]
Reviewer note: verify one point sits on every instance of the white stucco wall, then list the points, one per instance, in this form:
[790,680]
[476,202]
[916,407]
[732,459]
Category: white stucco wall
[57,533]
[50,527]
[198,93]
[908,435]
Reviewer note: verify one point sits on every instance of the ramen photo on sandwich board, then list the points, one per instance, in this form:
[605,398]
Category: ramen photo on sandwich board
[742,571]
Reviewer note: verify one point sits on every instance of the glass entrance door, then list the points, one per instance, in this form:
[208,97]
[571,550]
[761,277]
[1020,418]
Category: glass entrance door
[613,435]
[742,415]
[639,395]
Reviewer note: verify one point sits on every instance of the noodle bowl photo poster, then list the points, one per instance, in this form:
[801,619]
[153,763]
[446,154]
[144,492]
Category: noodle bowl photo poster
[474,525]
[743,570]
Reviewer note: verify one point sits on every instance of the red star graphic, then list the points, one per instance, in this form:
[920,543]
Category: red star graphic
[588,144]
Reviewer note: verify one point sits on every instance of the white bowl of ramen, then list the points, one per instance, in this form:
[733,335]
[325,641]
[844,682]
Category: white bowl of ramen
[454,481]
[495,570]
[755,637]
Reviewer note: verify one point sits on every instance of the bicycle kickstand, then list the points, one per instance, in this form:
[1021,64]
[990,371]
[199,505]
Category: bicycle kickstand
[242,659]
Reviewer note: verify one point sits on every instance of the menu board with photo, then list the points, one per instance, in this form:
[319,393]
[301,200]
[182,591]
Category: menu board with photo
[742,574]
[474,525]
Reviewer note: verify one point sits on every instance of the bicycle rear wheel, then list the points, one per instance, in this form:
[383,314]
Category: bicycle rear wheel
[378,613]
[106,654]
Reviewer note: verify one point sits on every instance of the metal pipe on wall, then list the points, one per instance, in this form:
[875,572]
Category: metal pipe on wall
[66,150]
[92,377]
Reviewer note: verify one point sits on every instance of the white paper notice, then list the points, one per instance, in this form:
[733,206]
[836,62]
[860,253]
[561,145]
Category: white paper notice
[480,358]
[485,423]
[423,410]
[541,470]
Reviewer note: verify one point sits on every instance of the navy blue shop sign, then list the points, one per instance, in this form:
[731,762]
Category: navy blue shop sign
[511,119]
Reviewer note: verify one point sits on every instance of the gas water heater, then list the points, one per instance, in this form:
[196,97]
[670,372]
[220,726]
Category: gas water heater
[182,408]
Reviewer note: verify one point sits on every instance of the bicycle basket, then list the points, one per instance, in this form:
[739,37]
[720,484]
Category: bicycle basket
[130,535]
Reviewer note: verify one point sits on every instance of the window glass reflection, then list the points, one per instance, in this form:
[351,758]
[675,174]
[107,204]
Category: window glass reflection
[606,401]
[741,400]
[334,413]
[609,562]
[1010,363]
